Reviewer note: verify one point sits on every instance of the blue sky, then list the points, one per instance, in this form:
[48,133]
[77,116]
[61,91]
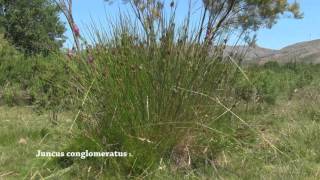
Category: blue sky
[287,31]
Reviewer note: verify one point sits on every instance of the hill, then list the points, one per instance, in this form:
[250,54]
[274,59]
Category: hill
[306,52]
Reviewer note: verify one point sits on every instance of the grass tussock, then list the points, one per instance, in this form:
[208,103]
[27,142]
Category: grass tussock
[140,100]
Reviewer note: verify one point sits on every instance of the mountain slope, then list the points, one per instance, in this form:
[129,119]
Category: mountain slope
[307,52]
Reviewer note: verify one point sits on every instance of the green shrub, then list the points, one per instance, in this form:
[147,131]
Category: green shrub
[39,78]
[266,84]
[48,83]
[273,81]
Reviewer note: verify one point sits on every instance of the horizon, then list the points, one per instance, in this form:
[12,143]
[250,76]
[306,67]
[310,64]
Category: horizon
[286,32]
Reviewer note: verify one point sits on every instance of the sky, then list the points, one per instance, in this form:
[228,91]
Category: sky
[286,32]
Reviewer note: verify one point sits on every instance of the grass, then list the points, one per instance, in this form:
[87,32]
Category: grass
[23,132]
[292,125]
[293,132]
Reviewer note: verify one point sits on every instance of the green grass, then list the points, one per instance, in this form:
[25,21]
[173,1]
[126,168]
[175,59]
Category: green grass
[292,126]
[22,133]
[293,132]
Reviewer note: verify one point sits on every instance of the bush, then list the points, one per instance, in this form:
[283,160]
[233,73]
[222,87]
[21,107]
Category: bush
[273,81]
[267,84]
[40,79]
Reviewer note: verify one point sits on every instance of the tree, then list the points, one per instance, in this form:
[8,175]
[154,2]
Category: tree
[32,26]
[245,15]
[218,16]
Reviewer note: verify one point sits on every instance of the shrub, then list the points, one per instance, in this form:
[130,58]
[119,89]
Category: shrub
[266,83]
[40,79]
